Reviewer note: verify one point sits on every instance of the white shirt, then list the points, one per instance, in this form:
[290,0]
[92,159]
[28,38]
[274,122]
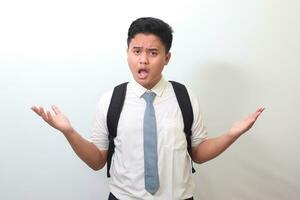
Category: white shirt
[174,162]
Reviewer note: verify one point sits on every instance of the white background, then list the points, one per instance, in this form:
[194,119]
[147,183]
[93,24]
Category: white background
[236,55]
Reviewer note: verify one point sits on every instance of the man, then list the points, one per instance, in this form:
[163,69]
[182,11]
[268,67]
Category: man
[149,41]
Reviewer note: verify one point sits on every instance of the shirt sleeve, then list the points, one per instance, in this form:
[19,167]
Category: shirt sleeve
[99,131]
[199,132]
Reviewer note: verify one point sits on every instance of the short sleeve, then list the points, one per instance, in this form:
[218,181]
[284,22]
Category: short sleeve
[99,131]
[199,132]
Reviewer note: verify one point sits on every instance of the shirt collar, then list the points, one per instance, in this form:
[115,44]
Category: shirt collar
[158,89]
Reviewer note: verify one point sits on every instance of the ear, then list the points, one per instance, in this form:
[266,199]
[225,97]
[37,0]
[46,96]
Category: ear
[167,58]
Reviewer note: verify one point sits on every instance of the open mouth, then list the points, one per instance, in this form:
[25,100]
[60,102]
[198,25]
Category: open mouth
[143,73]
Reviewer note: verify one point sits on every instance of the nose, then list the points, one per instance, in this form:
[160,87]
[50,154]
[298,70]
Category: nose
[143,58]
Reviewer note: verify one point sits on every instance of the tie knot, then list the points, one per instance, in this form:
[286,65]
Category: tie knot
[149,96]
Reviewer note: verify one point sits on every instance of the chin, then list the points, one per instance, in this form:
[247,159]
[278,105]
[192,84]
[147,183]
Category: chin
[145,84]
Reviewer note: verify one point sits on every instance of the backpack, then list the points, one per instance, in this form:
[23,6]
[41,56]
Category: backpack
[115,109]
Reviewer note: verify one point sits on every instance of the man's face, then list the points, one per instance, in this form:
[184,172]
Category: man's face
[146,56]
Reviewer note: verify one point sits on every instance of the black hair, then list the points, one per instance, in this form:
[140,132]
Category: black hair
[151,25]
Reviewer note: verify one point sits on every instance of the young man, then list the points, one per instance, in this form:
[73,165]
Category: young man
[168,175]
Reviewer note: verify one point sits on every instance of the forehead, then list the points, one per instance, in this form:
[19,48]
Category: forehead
[146,41]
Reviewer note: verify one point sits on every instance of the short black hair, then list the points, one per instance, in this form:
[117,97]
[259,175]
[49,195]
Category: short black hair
[151,25]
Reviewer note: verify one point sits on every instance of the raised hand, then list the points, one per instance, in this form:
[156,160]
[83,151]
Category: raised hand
[58,120]
[242,126]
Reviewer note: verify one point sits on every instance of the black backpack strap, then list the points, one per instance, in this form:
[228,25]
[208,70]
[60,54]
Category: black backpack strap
[185,105]
[112,119]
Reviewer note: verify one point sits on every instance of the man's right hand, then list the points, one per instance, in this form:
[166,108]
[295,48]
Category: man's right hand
[58,120]
[85,149]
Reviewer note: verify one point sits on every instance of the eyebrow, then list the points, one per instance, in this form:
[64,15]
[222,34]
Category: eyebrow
[153,49]
[136,47]
[150,49]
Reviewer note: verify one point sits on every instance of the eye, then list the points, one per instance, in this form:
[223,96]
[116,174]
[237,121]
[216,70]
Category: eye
[153,53]
[136,51]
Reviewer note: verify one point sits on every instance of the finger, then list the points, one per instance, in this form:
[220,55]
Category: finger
[56,110]
[36,110]
[41,110]
[49,116]
[43,114]
[258,112]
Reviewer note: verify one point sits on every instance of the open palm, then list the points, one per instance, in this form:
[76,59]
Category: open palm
[58,120]
[242,126]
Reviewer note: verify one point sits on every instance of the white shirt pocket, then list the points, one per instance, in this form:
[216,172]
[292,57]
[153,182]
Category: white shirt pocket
[174,136]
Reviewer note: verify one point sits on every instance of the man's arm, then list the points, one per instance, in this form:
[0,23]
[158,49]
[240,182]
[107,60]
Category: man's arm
[212,147]
[87,151]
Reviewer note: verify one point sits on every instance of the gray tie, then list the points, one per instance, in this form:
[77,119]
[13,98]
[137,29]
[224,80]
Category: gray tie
[150,145]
